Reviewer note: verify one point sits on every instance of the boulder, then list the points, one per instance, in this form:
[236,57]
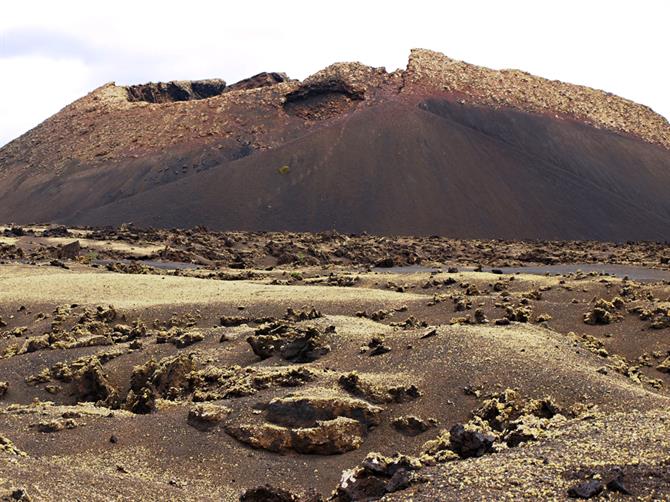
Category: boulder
[376,476]
[305,409]
[468,443]
[586,490]
[327,437]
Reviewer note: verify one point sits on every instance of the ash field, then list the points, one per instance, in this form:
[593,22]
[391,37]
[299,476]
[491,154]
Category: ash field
[197,365]
[443,282]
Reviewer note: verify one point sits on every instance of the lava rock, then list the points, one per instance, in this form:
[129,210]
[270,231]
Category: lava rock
[268,493]
[586,490]
[469,443]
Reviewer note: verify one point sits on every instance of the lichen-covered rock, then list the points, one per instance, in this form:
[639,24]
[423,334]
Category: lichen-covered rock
[469,443]
[168,378]
[207,413]
[292,343]
[326,437]
[306,408]
[378,390]
[376,476]
[212,382]
[179,337]
[55,425]
[93,385]
[141,401]
[604,312]
[518,314]
[8,447]
[525,428]
[412,425]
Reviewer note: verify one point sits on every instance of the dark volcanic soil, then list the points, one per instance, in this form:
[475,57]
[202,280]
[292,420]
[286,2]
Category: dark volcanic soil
[442,147]
[284,359]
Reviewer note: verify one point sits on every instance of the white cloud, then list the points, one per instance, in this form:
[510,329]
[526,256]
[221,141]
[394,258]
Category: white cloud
[614,45]
[35,87]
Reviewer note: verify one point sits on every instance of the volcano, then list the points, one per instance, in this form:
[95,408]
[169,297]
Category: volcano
[441,147]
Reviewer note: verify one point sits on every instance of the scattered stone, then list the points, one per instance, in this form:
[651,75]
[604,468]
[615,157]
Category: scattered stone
[518,314]
[378,392]
[231,321]
[604,312]
[387,262]
[412,425]
[55,425]
[616,484]
[377,346]
[376,476]
[585,490]
[179,338]
[207,414]
[268,493]
[20,495]
[430,334]
[8,447]
[301,315]
[295,344]
[479,316]
[56,231]
[69,251]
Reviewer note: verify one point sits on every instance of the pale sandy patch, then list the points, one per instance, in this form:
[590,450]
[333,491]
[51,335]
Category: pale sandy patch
[30,284]
[120,246]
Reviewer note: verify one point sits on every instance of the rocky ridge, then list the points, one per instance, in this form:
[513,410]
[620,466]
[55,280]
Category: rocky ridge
[114,122]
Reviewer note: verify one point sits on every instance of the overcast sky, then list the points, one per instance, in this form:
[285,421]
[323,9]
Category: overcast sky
[52,52]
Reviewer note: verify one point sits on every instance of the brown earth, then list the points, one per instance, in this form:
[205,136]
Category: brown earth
[442,147]
[290,360]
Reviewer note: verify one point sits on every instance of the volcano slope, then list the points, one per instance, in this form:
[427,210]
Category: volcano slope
[196,365]
[442,147]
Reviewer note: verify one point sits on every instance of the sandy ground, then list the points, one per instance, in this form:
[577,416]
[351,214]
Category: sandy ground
[21,284]
[419,344]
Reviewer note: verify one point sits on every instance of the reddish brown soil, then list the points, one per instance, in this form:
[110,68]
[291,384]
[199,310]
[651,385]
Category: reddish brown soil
[440,148]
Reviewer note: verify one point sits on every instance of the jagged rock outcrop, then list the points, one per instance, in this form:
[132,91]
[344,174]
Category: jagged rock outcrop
[263,79]
[315,422]
[177,90]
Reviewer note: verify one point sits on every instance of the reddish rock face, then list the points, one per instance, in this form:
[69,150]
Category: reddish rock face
[442,147]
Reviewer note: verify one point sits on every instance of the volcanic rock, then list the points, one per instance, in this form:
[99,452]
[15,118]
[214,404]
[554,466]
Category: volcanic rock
[306,408]
[165,92]
[469,443]
[376,476]
[326,437]
[586,490]
[268,493]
